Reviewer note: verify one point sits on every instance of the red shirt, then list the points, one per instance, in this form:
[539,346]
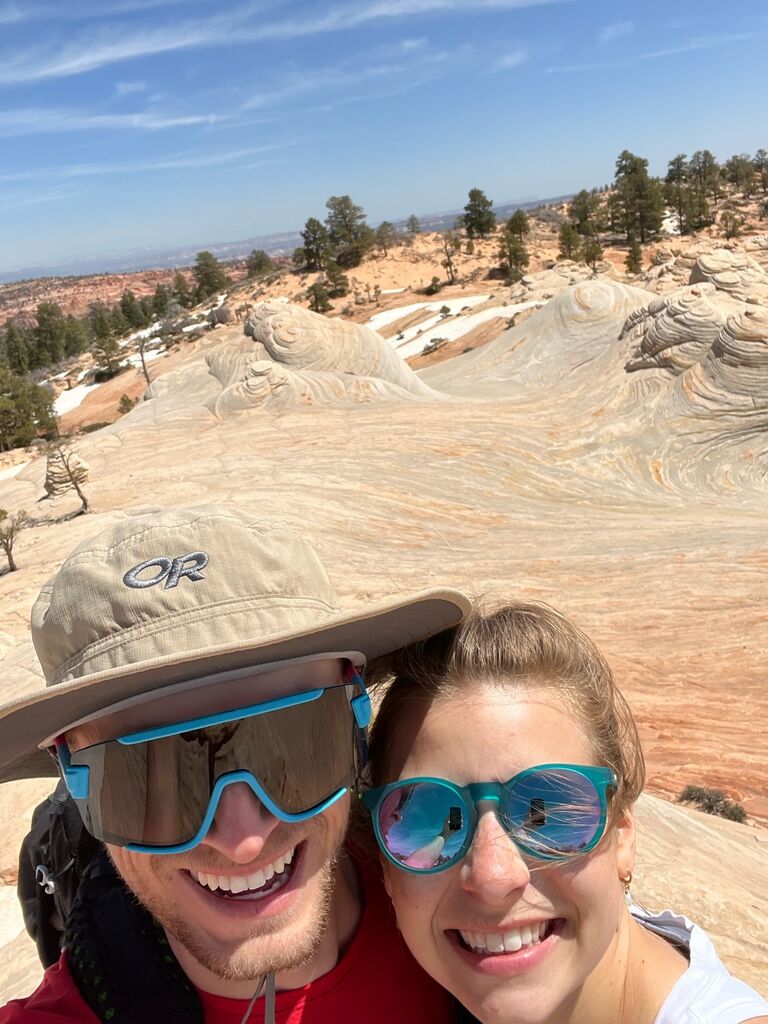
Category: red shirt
[376,980]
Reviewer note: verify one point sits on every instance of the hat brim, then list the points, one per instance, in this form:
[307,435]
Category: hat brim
[29,720]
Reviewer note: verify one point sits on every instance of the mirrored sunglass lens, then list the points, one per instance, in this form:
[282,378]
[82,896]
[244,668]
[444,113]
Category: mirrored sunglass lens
[556,813]
[422,824]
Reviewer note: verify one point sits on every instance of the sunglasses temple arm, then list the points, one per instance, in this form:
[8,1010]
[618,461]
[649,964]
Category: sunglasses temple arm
[76,776]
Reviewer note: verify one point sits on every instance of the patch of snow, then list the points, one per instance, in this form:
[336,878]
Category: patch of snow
[392,291]
[452,330]
[135,360]
[145,332]
[69,400]
[388,316]
[670,225]
[192,327]
[11,471]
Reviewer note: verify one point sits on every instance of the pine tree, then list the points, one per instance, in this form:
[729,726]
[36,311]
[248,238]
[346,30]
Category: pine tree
[351,237]
[132,311]
[730,224]
[413,225]
[319,300]
[513,256]
[317,245]
[161,300]
[26,410]
[586,211]
[181,290]
[638,199]
[209,275]
[120,326]
[635,258]
[479,218]
[740,171]
[48,335]
[336,279]
[570,242]
[77,336]
[386,236]
[17,348]
[676,189]
[593,252]
[258,263]
[704,171]
[518,224]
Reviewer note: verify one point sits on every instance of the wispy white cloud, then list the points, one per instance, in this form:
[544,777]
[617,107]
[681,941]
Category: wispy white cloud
[328,78]
[409,45]
[510,60]
[11,200]
[175,162]
[126,88]
[95,49]
[597,66]
[701,43]
[41,121]
[615,31]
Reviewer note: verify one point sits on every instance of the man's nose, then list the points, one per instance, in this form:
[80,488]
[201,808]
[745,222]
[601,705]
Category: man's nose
[493,870]
[242,824]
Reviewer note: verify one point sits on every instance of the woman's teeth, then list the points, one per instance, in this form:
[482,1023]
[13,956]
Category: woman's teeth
[248,885]
[505,942]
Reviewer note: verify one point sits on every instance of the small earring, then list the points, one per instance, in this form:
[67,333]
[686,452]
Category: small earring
[627,882]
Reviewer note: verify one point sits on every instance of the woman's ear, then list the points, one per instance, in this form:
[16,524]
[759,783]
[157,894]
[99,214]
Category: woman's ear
[626,841]
[385,869]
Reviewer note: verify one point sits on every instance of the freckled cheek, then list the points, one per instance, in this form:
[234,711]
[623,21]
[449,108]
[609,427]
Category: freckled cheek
[417,902]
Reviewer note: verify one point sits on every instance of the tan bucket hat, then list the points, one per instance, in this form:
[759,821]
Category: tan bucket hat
[176,595]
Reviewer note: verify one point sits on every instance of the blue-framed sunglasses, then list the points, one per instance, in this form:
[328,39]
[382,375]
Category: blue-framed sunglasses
[550,812]
[157,790]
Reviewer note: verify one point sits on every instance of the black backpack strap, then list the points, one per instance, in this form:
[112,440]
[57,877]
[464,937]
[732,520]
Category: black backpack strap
[120,959]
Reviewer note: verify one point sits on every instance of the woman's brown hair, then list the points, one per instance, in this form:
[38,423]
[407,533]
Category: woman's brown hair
[516,645]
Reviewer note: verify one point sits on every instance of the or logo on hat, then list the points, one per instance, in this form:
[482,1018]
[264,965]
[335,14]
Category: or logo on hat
[169,569]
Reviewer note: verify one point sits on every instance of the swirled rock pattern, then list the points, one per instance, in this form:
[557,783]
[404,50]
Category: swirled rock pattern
[301,340]
[674,331]
[535,467]
[732,273]
[60,468]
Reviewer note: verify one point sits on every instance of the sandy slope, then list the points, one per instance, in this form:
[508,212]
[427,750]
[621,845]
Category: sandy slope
[536,466]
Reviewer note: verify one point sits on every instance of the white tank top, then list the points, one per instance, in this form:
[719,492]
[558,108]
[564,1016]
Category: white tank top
[706,993]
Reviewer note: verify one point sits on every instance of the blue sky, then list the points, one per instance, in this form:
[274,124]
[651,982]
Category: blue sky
[145,123]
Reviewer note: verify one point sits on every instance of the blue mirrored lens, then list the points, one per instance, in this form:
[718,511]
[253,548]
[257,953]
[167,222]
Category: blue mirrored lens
[554,813]
[423,824]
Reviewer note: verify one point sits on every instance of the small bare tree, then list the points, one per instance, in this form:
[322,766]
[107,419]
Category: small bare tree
[10,527]
[74,470]
[142,346]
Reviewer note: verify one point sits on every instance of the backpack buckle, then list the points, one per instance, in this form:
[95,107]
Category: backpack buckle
[45,879]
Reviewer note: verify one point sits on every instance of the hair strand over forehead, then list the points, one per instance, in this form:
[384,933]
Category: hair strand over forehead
[516,645]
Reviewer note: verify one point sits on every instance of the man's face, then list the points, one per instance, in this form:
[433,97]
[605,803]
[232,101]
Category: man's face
[254,895]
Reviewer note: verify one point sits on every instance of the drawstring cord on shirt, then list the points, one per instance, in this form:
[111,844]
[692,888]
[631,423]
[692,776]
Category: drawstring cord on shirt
[269,1000]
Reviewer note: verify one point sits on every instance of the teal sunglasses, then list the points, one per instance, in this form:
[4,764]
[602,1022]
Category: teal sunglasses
[551,812]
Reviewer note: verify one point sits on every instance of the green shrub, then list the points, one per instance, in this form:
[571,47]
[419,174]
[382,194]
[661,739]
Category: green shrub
[125,404]
[712,801]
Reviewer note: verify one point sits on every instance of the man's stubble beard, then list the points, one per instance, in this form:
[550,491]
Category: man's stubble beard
[245,962]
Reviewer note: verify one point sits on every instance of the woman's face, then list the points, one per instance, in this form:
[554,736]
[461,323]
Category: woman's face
[491,734]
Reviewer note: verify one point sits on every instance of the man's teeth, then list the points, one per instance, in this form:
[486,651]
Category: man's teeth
[245,883]
[505,942]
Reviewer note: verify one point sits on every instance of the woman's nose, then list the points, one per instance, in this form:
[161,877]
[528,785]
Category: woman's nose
[242,824]
[493,869]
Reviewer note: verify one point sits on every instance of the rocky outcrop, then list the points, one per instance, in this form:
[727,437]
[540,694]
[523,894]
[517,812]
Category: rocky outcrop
[297,339]
[61,467]
[674,331]
[732,273]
